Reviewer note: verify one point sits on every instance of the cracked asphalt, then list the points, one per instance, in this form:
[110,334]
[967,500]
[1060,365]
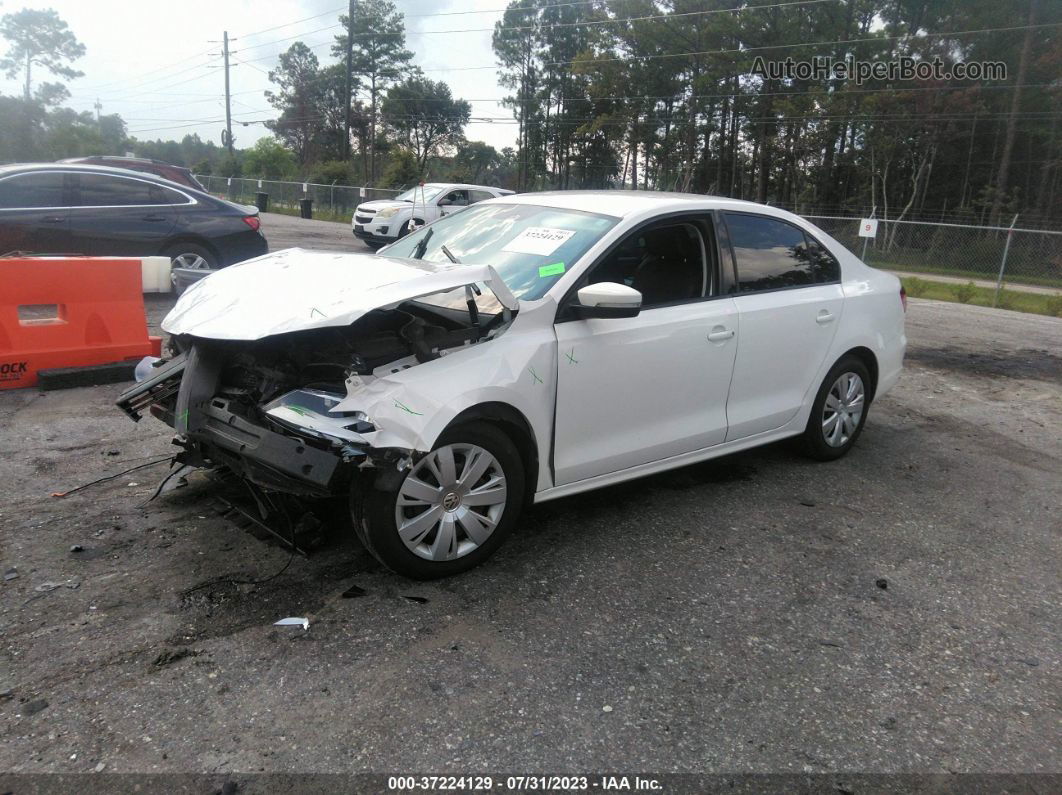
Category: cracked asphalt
[896,611]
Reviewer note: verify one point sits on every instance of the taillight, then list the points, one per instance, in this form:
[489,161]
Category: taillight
[903,297]
[252,221]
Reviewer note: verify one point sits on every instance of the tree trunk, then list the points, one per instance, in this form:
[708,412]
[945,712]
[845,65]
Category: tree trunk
[372,134]
[1012,120]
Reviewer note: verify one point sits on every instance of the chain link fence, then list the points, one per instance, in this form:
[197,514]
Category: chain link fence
[978,253]
[335,202]
[996,254]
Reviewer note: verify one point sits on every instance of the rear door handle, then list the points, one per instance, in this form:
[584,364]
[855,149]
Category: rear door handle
[53,219]
[153,218]
[720,334]
[825,316]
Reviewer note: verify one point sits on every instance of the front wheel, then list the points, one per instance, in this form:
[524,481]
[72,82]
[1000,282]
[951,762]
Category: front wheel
[839,411]
[451,510]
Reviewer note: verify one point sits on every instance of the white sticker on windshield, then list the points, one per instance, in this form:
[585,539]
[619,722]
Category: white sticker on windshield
[540,240]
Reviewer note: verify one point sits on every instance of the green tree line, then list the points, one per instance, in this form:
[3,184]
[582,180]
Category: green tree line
[647,94]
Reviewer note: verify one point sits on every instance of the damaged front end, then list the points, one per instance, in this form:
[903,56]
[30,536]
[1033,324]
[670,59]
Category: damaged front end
[274,409]
[267,409]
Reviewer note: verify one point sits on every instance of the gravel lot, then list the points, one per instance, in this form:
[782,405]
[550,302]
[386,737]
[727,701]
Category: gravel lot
[897,611]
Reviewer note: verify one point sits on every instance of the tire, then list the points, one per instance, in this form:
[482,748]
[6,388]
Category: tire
[453,536]
[191,255]
[835,423]
[403,230]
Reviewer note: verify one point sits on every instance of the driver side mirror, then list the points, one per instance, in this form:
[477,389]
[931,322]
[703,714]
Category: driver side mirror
[607,300]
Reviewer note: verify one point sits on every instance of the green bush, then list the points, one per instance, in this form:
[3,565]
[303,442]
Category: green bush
[964,293]
[1054,305]
[337,171]
[916,287]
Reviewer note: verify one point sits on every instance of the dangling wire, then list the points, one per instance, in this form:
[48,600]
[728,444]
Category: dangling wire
[104,479]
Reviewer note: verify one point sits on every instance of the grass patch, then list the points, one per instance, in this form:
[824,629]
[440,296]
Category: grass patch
[1039,281]
[1016,300]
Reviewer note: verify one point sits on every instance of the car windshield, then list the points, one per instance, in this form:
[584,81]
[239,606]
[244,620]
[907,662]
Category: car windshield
[529,246]
[414,194]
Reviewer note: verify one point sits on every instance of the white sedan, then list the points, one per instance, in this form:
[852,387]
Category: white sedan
[528,348]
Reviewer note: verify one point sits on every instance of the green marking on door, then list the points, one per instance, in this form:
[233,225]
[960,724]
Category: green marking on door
[570,355]
[534,375]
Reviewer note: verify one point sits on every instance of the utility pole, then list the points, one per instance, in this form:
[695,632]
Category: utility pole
[98,108]
[228,106]
[350,93]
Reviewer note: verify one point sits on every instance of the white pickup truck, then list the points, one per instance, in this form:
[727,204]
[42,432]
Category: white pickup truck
[385,220]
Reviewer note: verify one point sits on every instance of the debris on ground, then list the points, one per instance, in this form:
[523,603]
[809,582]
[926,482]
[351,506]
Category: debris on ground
[11,574]
[77,548]
[418,599]
[293,622]
[882,583]
[171,656]
[353,592]
[35,706]
[45,587]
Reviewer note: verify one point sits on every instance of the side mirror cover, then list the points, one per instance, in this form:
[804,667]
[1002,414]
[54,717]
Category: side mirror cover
[607,300]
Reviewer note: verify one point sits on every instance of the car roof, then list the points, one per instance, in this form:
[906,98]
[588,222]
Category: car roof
[466,186]
[89,159]
[91,169]
[620,203]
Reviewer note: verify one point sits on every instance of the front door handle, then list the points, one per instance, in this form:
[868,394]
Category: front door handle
[53,219]
[720,334]
[153,218]
[825,316]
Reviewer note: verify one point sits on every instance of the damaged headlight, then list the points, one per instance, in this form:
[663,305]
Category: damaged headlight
[308,410]
[388,212]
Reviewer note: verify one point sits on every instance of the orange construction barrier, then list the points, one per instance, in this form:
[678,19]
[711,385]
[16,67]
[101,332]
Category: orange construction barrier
[69,312]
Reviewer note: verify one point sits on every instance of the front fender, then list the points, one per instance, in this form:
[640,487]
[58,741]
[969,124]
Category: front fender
[411,408]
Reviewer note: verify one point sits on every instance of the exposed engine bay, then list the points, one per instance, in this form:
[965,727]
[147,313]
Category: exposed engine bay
[265,408]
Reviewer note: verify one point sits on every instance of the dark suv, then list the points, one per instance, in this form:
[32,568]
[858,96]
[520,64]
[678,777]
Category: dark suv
[55,208]
[178,174]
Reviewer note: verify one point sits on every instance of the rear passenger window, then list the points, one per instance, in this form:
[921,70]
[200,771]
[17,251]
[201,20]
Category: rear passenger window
[101,190]
[32,191]
[772,254]
[480,196]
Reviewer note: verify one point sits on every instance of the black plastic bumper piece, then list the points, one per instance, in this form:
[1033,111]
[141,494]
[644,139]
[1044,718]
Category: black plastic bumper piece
[270,459]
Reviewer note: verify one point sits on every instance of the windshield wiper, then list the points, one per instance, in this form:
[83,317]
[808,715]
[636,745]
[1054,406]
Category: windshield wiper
[450,256]
[418,252]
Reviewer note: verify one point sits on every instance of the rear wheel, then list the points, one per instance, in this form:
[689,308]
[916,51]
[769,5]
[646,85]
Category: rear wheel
[451,510]
[839,412]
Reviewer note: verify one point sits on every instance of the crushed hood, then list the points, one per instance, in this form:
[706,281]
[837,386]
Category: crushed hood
[296,290]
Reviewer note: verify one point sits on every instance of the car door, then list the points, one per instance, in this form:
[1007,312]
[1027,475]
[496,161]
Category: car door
[34,216]
[121,216]
[631,391]
[789,299]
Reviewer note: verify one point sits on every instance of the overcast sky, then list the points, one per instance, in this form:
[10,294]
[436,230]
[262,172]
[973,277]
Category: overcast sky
[148,60]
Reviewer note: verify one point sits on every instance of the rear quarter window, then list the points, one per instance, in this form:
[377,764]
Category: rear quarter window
[772,254]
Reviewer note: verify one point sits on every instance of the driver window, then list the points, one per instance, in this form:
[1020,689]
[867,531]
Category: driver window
[667,264]
[455,198]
